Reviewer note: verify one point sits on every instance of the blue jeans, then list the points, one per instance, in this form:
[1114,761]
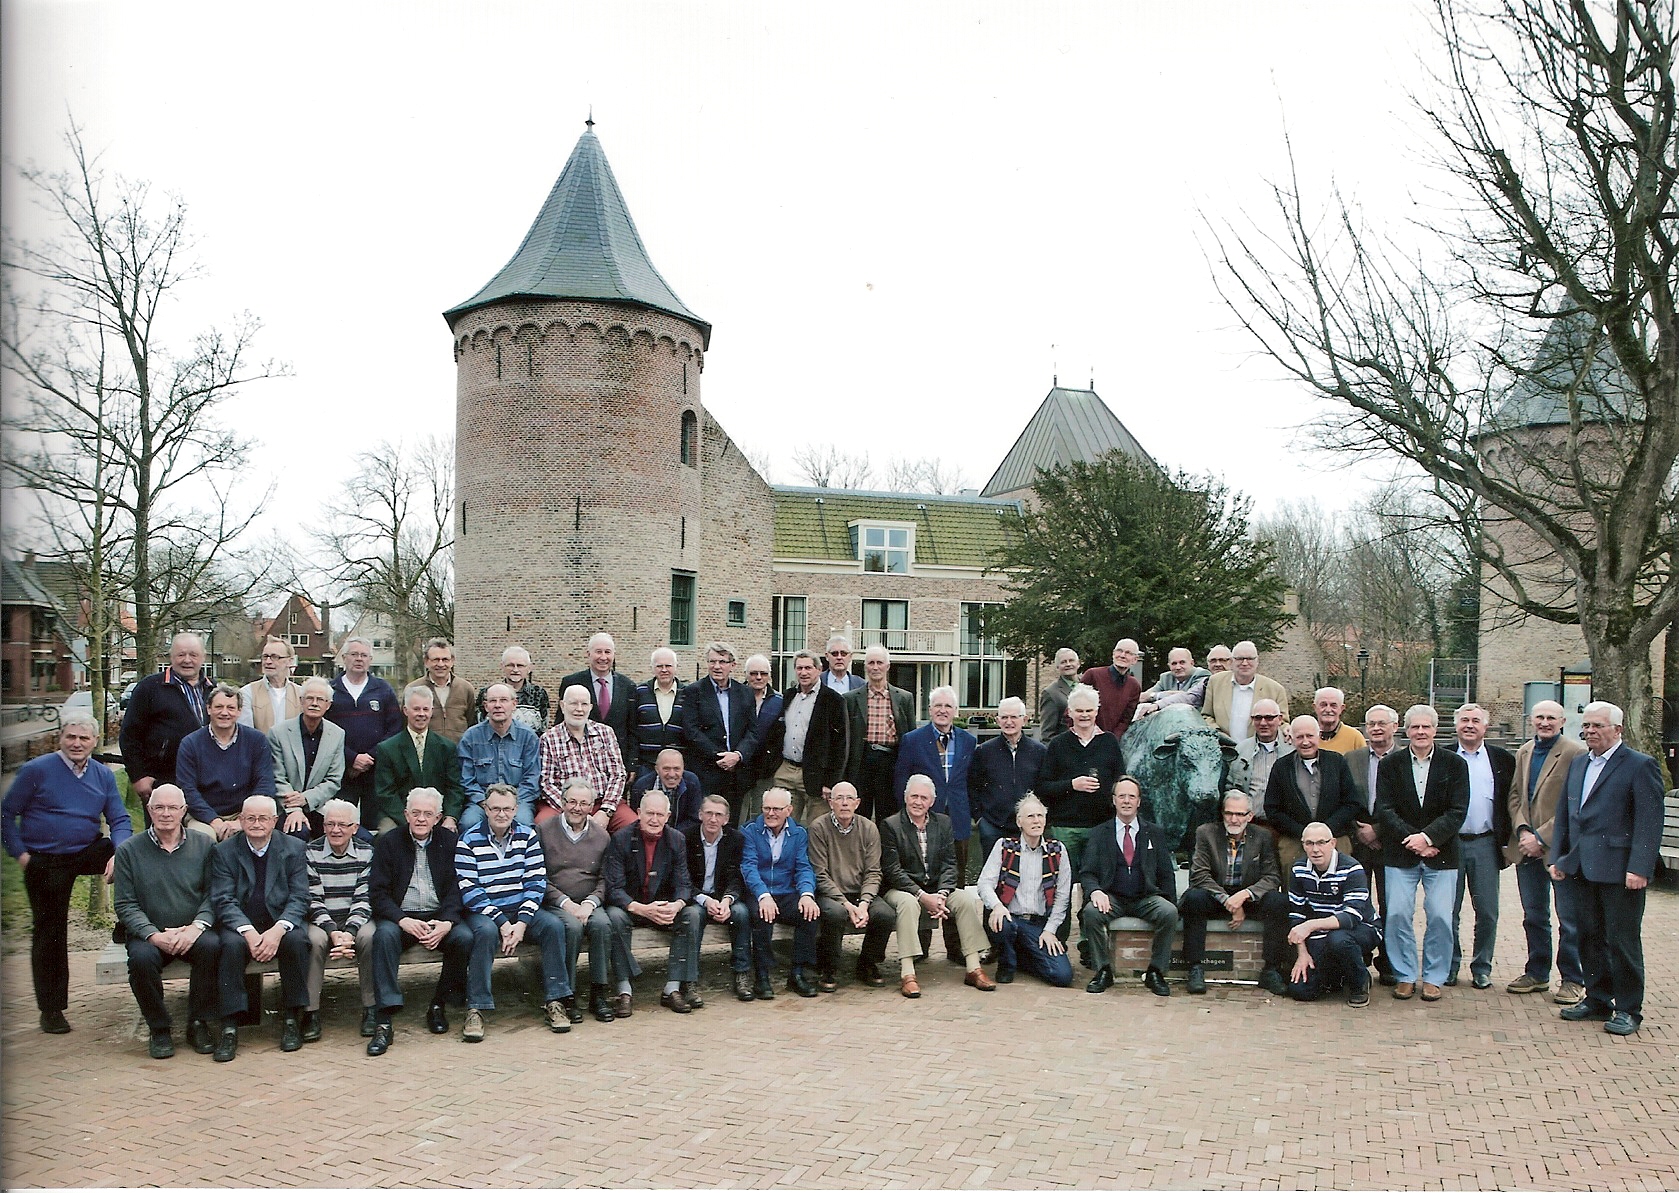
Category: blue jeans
[1019,946]
[739,927]
[1439,890]
[1534,883]
[544,929]
[1478,875]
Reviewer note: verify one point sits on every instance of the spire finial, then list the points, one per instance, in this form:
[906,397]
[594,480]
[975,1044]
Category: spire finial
[590,122]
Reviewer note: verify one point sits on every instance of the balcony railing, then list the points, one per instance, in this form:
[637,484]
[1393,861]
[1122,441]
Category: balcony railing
[941,643]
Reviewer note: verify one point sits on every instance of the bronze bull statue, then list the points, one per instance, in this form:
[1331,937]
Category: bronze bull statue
[1181,762]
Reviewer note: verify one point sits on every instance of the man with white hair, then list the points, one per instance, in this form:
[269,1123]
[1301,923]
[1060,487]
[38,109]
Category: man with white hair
[1233,873]
[1541,773]
[1218,658]
[1608,831]
[308,756]
[1232,695]
[776,871]
[1117,688]
[259,890]
[340,907]
[658,712]
[878,717]
[648,886]
[1181,683]
[845,856]
[530,699]
[366,708]
[417,758]
[918,879]
[1004,771]
[1381,725]
[944,752]
[579,748]
[1486,827]
[1422,795]
[164,708]
[612,699]
[766,709]
[1026,888]
[273,697]
[499,750]
[838,676]
[574,850]
[51,817]
[454,701]
[1333,735]
[1052,702]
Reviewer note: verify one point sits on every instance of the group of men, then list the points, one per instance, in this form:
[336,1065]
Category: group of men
[668,807]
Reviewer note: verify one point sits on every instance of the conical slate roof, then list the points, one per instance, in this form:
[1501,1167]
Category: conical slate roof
[583,245]
[1071,424]
[1540,396]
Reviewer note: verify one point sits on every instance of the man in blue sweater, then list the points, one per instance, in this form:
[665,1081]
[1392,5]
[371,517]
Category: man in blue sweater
[51,820]
[775,866]
[1332,923]
[222,764]
[504,876]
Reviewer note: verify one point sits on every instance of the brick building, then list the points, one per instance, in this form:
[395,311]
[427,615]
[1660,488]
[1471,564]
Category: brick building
[308,630]
[37,657]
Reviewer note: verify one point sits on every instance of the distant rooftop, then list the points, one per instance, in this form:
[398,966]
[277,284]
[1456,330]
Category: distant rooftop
[1540,397]
[1070,424]
[583,245]
[951,531]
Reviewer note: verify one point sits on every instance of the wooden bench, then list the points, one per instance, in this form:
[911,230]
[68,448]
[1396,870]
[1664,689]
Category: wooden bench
[1670,834]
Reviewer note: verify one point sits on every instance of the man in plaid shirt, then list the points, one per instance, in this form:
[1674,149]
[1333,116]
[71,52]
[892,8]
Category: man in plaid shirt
[340,913]
[580,748]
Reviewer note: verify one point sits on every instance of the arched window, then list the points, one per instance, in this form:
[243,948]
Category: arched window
[690,439]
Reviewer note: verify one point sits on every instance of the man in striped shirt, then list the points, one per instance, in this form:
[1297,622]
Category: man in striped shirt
[504,876]
[340,911]
[1332,925]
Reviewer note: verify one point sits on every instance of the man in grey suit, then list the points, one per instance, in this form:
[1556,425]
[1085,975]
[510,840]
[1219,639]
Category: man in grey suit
[1541,773]
[1052,704]
[259,890]
[878,717]
[308,761]
[1608,829]
[1381,725]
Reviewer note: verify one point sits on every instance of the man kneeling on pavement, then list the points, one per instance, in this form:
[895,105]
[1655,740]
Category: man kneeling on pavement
[1332,922]
[1026,888]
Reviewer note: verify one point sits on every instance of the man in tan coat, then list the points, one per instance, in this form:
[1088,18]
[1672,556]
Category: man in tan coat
[454,701]
[1541,772]
[1232,694]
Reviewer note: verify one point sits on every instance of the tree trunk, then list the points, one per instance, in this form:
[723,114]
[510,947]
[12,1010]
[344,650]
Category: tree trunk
[1621,675]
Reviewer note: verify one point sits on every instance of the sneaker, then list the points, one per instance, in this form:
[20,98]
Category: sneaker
[1528,984]
[472,1031]
[1359,998]
[555,1012]
[1569,993]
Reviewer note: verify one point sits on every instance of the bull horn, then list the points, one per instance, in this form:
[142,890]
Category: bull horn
[1171,739]
[1224,739]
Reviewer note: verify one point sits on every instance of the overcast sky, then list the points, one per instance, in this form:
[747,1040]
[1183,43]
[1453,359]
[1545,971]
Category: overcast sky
[901,219]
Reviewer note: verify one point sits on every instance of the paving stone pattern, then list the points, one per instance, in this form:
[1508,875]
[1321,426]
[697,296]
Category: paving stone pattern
[1025,1088]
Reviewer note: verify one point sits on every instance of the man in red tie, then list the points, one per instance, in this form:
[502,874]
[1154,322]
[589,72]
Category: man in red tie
[611,695]
[1127,870]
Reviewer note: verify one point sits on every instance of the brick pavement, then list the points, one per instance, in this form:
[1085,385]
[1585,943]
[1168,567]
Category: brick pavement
[865,1090]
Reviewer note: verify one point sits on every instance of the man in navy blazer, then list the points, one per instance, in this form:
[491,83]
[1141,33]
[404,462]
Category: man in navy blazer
[259,890]
[717,722]
[620,714]
[943,753]
[645,871]
[1127,870]
[1288,809]
[1003,772]
[1603,848]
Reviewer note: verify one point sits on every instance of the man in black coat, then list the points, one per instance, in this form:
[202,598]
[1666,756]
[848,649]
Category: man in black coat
[618,713]
[653,892]
[416,904]
[1003,772]
[165,708]
[1486,827]
[1127,870]
[717,719]
[807,743]
[714,850]
[1310,784]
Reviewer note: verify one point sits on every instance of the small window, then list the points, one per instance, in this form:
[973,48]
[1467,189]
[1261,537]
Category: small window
[690,439]
[737,613]
[887,549]
[298,639]
[682,608]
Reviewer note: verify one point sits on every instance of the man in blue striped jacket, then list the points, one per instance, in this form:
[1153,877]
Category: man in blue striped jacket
[1332,924]
[504,876]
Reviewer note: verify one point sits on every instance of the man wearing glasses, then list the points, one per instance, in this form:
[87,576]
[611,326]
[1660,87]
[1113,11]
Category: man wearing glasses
[1251,771]
[273,698]
[1234,874]
[839,676]
[1332,923]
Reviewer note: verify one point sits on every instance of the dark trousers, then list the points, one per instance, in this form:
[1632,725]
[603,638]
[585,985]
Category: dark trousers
[739,926]
[836,923]
[1199,906]
[293,959]
[389,942]
[1020,947]
[146,963]
[1339,958]
[1371,860]
[805,933]
[1477,875]
[874,783]
[599,930]
[1537,888]
[1610,920]
[49,880]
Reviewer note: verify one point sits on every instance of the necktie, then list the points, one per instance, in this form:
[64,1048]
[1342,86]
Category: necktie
[1128,846]
[605,701]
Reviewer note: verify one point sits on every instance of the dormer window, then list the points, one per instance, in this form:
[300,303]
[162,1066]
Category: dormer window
[884,547]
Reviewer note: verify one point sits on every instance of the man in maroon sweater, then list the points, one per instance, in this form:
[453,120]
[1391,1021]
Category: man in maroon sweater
[1117,687]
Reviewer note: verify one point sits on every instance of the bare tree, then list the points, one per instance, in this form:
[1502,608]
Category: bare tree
[113,431]
[763,463]
[926,475]
[388,542]
[826,467]
[1528,361]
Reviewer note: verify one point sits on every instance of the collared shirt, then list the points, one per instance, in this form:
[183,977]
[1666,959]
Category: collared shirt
[565,826]
[1309,779]
[882,727]
[722,694]
[79,769]
[1259,773]
[709,850]
[1029,894]
[193,692]
[311,744]
[1121,827]
[799,706]
[946,750]
[841,683]
[1479,819]
[665,700]
[1594,771]
[229,743]
[777,840]
[421,896]
[1419,772]
[1241,710]
[598,758]
[1370,783]
[921,841]
[419,740]
[180,840]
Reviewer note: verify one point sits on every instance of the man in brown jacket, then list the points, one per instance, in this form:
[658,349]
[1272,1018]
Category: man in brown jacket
[1541,772]
[1234,874]
[845,853]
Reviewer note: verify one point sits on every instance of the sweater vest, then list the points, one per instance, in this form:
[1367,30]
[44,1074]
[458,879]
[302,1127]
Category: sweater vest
[1008,879]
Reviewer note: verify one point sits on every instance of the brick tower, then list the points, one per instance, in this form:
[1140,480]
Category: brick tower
[581,444]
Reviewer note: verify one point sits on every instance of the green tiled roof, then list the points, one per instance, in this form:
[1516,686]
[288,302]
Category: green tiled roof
[1069,425]
[949,531]
[583,245]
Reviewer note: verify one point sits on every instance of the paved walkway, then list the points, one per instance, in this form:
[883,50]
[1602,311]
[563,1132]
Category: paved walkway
[1025,1088]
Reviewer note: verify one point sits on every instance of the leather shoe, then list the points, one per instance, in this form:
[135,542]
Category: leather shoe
[311,1026]
[1621,1024]
[1005,975]
[691,991]
[436,1021]
[827,982]
[1481,983]
[1430,992]
[369,1021]
[868,973]
[381,1041]
[761,989]
[1103,979]
[909,987]
[1359,998]
[1387,978]
[977,979]
[291,1035]
[1156,982]
[161,1046]
[799,983]
[1273,982]
[1197,983]
[1405,990]
[1583,1010]
[1451,979]
[600,1005]
[623,1006]
[743,987]
[54,1023]
[674,1001]
[228,1046]
[573,1012]
[198,1035]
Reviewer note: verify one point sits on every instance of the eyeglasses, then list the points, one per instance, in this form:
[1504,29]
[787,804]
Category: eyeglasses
[1317,844]
[274,657]
[1267,716]
[757,675]
[419,815]
[839,654]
